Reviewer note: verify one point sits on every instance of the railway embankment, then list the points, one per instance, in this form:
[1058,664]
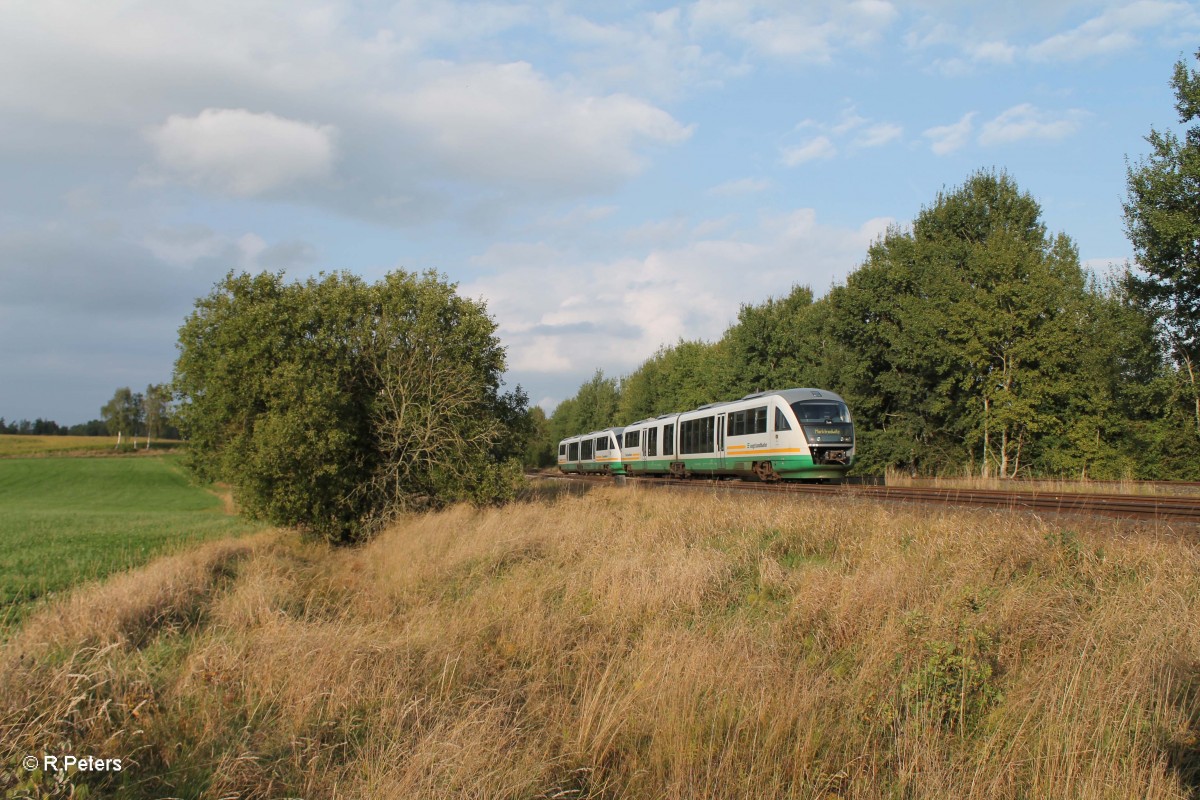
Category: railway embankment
[612,642]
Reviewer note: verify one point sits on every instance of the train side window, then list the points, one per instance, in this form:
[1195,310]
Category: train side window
[736,423]
[697,435]
[669,440]
[574,452]
[587,449]
[757,422]
[562,450]
[781,423]
[632,438]
[652,441]
[602,444]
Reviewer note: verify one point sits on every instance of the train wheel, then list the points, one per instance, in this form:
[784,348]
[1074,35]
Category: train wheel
[765,472]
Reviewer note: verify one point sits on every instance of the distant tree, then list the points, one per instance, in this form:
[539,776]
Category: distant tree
[593,407]
[123,413]
[95,427]
[45,427]
[540,446]
[156,407]
[334,404]
[676,378]
[1162,218]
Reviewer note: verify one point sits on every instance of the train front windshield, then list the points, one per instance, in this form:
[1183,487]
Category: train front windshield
[820,411]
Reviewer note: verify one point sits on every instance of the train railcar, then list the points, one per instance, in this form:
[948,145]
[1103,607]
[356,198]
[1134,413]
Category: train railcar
[648,446]
[793,434]
[568,454]
[597,452]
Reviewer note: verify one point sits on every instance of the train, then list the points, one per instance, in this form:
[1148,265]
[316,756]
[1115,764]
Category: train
[792,434]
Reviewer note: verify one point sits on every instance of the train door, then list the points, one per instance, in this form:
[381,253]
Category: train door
[720,441]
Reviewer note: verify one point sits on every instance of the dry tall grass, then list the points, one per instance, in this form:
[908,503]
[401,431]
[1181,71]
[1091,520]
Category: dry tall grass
[635,644]
[895,477]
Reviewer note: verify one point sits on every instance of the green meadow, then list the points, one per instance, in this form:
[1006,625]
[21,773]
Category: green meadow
[65,520]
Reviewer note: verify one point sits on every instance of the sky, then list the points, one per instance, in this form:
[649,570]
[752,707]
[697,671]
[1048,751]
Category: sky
[608,177]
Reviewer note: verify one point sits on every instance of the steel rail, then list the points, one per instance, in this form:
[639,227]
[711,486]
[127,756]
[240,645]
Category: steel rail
[1125,506]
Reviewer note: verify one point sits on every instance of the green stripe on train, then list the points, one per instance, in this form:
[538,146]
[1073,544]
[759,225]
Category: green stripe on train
[785,466]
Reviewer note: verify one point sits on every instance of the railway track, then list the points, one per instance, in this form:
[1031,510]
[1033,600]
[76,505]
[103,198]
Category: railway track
[1124,506]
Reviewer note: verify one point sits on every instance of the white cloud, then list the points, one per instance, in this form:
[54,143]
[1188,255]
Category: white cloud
[616,311]
[1025,122]
[850,120]
[1002,34]
[880,134]
[649,53]
[993,52]
[241,152]
[397,115]
[187,247]
[851,131]
[946,139]
[818,148]
[656,233]
[577,217]
[741,186]
[1114,30]
[813,33]
[508,124]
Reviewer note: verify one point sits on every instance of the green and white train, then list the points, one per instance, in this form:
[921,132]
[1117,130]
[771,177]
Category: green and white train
[794,434]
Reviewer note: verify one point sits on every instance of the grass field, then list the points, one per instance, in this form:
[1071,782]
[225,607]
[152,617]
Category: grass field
[17,445]
[67,520]
[630,645]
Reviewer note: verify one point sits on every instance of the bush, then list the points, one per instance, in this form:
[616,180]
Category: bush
[334,404]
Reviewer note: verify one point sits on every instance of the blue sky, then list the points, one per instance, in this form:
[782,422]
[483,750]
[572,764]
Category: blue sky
[607,177]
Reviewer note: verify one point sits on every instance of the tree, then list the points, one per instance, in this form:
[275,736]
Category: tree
[1162,218]
[156,406]
[594,406]
[964,332]
[95,427]
[541,448]
[123,413]
[333,404]
[768,347]
[676,378]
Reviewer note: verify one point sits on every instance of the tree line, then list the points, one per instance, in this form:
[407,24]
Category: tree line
[128,413]
[974,341]
[48,427]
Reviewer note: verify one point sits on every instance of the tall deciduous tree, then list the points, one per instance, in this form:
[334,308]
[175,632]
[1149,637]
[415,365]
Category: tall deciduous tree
[966,327]
[334,404]
[156,406]
[1162,217]
[123,413]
